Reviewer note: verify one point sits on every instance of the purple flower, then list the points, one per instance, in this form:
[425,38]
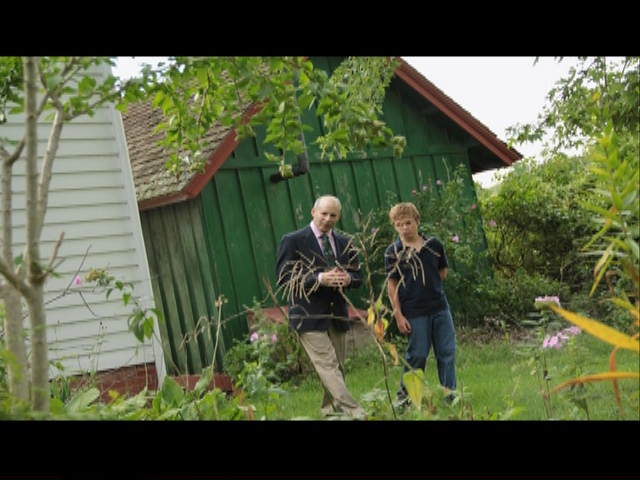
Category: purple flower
[254,336]
[438,182]
[473,207]
[374,230]
[492,223]
[455,239]
[77,280]
[274,338]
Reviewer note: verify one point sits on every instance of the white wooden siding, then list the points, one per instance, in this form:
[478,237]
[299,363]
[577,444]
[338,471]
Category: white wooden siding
[92,200]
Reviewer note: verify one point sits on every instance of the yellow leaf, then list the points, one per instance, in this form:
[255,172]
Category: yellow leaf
[634,310]
[599,330]
[371,317]
[414,383]
[394,352]
[379,329]
[597,377]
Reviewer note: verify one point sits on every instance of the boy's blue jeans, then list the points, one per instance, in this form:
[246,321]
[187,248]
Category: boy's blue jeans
[436,330]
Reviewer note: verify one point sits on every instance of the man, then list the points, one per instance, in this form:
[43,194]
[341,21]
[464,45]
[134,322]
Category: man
[416,266]
[318,311]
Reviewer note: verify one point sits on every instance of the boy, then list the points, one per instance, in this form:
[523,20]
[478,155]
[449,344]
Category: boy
[416,266]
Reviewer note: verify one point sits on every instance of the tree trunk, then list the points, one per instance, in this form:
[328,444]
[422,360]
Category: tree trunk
[13,330]
[35,273]
[14,336]
[40,390]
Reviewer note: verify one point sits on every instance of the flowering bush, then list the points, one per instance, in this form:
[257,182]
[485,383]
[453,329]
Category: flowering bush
[272,346]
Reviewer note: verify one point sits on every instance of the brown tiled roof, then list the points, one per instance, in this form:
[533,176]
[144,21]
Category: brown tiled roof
[151,178]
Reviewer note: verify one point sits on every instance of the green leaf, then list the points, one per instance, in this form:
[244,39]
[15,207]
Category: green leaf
[82,400]
[204,381]
[172,392]
[633,246]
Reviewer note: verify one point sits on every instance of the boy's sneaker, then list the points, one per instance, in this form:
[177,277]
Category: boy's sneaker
[403,400]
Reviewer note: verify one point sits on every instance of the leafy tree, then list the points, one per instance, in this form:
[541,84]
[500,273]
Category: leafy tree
[596,85]
[535,217]
[193,93]
[596,109]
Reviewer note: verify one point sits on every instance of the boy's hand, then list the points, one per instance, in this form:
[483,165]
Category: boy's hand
[403,325]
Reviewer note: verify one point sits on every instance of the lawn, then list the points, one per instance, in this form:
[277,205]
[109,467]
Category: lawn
[498,379]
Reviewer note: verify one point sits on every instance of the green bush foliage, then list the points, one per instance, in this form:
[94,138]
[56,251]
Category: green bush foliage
[447,213]
[271,344]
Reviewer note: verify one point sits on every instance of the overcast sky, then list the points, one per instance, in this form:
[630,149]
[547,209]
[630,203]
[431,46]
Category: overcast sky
[497,91]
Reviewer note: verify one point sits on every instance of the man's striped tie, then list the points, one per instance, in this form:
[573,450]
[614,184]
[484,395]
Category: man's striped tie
[328,251]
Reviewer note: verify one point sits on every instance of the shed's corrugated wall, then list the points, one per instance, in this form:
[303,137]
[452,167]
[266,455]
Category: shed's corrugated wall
[223,245]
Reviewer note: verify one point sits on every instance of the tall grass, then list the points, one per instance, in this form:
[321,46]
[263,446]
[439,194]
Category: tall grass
[497,380]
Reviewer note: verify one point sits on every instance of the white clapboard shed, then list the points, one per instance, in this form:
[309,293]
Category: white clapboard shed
[92,200]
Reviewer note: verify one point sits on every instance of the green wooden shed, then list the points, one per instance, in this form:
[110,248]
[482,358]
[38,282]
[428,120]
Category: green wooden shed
[212,238]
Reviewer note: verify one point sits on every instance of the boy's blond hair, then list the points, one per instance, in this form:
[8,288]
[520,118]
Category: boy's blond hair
[403,210]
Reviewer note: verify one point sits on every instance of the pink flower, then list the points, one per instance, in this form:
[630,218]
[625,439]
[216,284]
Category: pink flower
[77,280]
[424,188]
[540,301]
[274,338]
[254,336]
[573,330]
[473,207]
[455,239]
[557,340]
[492,223]
[438,182]
[413,191]
[374,230]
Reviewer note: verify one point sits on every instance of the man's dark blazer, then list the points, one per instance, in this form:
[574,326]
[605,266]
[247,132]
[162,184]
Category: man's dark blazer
[300,260]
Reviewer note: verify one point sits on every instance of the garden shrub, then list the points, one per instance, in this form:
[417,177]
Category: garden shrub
[271,344]
[447,213]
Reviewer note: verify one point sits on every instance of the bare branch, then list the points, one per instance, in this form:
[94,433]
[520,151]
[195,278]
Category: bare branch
[54,253]
[10,159]
[14,279]
[47,168]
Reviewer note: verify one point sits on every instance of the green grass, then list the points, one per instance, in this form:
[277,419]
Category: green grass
[497,380]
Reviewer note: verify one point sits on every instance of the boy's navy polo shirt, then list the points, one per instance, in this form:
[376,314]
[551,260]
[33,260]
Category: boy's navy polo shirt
[415,273]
